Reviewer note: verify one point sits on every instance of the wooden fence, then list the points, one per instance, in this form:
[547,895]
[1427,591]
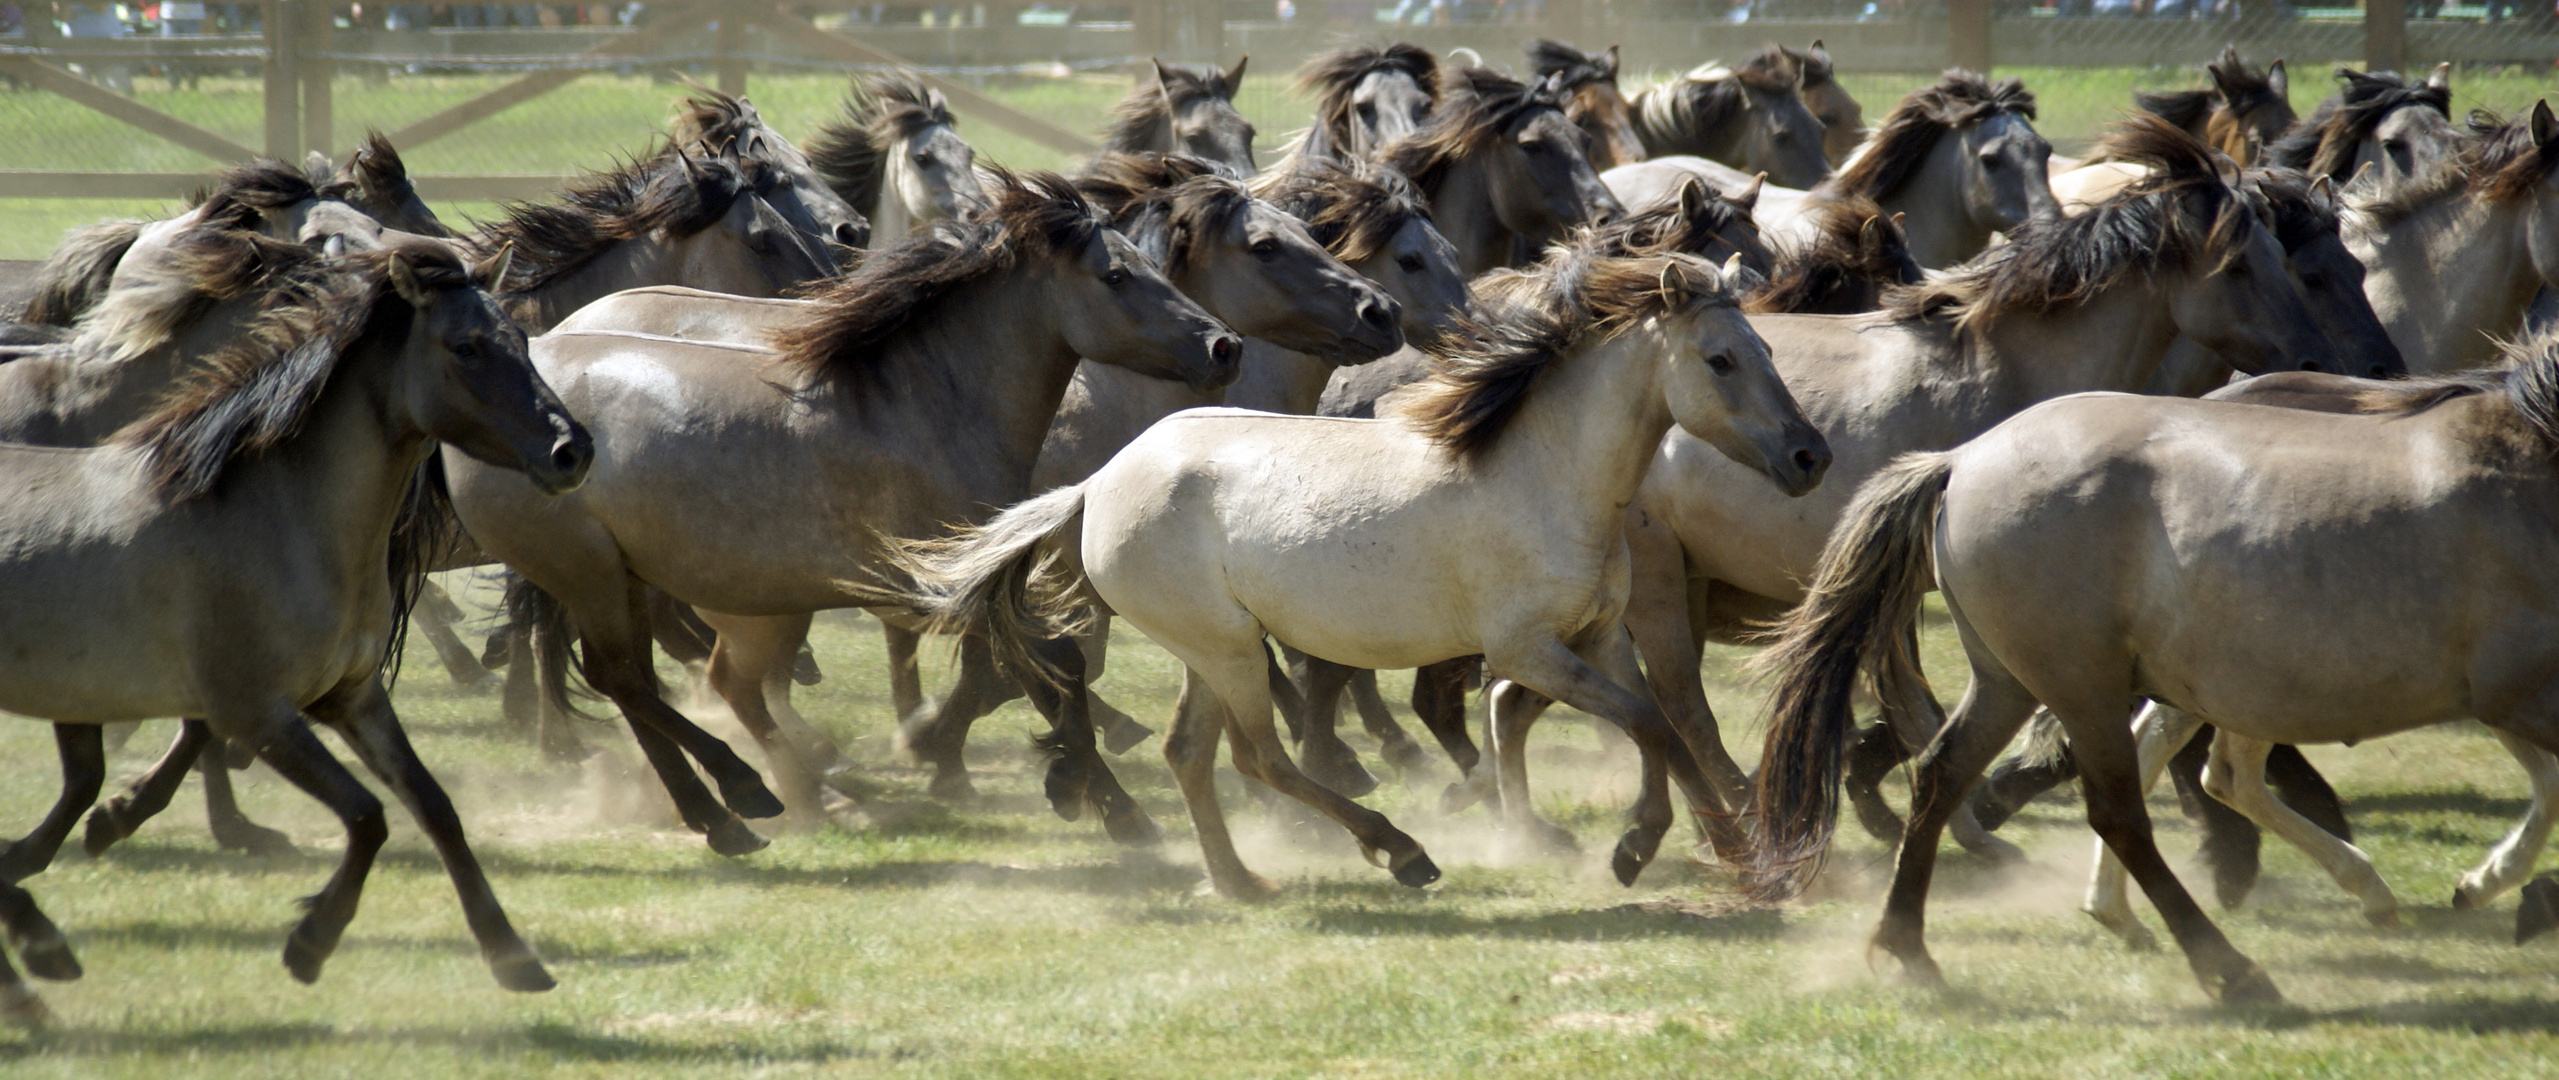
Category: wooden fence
[299,50]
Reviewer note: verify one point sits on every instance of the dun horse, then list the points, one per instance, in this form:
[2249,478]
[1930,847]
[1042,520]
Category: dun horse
[1183,111]
[897,157]
[1751,118]
[1366,97]
[1502,168]
[1591,99]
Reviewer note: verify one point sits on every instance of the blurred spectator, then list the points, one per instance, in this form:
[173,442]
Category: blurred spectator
[181,17]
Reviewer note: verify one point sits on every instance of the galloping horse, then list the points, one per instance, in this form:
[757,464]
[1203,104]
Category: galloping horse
[276,470]
[1182,111]
[2379,120]
[1751,117]
[1502,168]
[1220,527]
[1366,97]
[1591,99]
[897,157]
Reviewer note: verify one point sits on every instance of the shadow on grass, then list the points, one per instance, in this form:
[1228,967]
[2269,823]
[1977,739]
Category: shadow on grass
[556,1040]
[1625,922]
[2464,801]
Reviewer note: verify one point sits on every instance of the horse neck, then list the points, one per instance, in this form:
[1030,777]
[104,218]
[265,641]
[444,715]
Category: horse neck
[2114,341]
[1666,124]
[629,264]
[1587,431]
[1937,238]
[1278,380]
[104,393]
[2448,275]
[988,373]
[1462,207]
[890,221]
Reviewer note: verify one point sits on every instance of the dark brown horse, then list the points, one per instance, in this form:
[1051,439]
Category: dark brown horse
[1591,98]
[2243,112]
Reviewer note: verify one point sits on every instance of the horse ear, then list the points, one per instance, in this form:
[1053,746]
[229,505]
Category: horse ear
[1817,52]
[1692,198]
[404,280]
[1235,75]
[1748,198]
[2324,190]
[335,247]
[1611,62]
[1673,285]
[1163,79]
[493,272]
[2279,80]
[2545,127]
[1732,265]
[2361,171]
[1870,232]
[2440,78]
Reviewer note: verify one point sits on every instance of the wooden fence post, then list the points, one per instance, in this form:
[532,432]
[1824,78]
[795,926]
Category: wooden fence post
[1968,34]
[316,70]
[283,81]
[2386,35]
[728,46]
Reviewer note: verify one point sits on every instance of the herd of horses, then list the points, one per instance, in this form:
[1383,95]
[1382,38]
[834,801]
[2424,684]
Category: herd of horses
[1527,383]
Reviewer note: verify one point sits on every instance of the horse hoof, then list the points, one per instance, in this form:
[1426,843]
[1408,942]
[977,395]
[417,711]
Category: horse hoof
[1417,871]
[751,800]
[2231,885]
[2384,919]
[2127,928]
[2250,986]
[21,1008]
[1065,785]
[49,957]
[103,830]
[517,969]
[951,783]
[1457,797]
[1245,886]
[1404,753]
[732,838]
[1627,863]
[1132,827]
[303,959]
[2464,898]
[1124,737]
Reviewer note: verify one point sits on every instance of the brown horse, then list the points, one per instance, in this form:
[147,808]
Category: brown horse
[1591,99]
[277,470]
[1503,169]
[2243,112]
[1843,119]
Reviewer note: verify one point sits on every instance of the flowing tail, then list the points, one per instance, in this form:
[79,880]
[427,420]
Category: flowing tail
[1858,615]
[1004,580]
[76,276]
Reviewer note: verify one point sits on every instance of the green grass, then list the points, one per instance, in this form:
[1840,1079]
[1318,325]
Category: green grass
[991,939]
[586,124]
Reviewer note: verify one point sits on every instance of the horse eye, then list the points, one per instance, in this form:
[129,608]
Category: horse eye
[923,159]
[1266,247]
[1410,264]
[1115,277]
[1782,135]
[1367,111]
[1720,363]
[467,351]
[2314,280]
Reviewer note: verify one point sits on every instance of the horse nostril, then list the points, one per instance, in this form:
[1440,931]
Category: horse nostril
[1381,316]
[1227,349]
[848,234]
[1807,460]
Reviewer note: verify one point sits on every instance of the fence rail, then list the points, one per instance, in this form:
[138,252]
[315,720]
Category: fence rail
[300,48]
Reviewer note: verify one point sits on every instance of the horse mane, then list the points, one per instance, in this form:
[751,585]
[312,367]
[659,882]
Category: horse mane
[1817,68]
[2299,216]
[375,173]
[2324,143]
[1578,298]
[880,111]
[1476,106]
[2184,108]
[2495,160]
[1329,77]
[2181,212]
[712,120]
[1820,273]
[2241,87]
[264,184]
[1699,102]
[1898,147]
[845,338]
[1134,117]
[256,391]
[1175,201]
[1576,68]
[1351,208]
[672,192]
[1663,229]
[162,296]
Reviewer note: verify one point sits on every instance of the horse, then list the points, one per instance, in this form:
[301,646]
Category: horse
[1185,111]
[2454,256]
[715,124]
[2242,113]
[1960,159]
[1219,527]
[1591,99]
[1366,97]
[897,158]
[1843,264]
[1843,119]
[938,363]
[277,470]
[2241,563]
[2084,303]
[2376,120]
[1751,117]
[1502,168]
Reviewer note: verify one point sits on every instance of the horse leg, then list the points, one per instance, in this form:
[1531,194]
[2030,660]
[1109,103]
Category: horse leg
[1515,708]
[2237,775]
[2231,843]
[1396,746]
[1321,752]
[1190,749]
[748,654]
[616,656]
[2510,862]
[2302,788]
[1601,675]
[1439,701]
[364,718]
[1244,687]
[40,944]
[546,640]
[2044,765]
[2110,777]
[83,750]
[939,740]
[296,754]
[1992,709]
[118,817]
[1076,769]
[1657,615]
[906,681]
[232,830]
[436,613]
[2159,734]
[1120,731]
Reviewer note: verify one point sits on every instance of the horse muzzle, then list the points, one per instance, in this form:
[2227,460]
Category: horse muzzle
[564,469]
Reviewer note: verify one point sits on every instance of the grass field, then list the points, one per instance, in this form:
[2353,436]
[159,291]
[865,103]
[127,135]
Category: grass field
[923,938]
[588,123]
[991,939]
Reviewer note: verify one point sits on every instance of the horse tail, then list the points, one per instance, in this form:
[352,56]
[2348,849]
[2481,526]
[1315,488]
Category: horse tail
[1003,580]
[1858,616]
[76,276]
[532,611]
